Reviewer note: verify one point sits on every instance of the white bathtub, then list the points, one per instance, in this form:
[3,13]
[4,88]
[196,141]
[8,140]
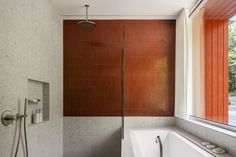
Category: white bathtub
[174,145]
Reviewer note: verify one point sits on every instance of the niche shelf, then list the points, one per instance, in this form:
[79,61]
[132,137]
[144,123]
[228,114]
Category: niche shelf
[38,90]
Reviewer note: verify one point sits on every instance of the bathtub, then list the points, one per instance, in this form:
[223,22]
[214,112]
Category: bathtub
[174,144]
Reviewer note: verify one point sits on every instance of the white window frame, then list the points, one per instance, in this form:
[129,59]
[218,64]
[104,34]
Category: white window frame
[223,128]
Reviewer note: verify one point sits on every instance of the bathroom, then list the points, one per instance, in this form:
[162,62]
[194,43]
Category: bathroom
[134,78]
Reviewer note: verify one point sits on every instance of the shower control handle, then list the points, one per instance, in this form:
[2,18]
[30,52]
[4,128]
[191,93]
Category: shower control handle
[10,117]
[7,118]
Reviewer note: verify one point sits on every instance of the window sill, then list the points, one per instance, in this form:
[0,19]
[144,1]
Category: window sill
[227,130]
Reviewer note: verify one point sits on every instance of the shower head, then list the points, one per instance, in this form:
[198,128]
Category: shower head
[87,24]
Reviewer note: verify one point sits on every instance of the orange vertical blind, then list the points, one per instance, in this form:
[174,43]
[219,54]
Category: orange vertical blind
[216,70]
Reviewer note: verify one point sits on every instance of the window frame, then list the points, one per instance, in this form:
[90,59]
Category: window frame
[212,123]
[224,128]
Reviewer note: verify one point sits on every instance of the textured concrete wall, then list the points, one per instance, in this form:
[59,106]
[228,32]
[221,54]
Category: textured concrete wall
[31,47]
[92,136]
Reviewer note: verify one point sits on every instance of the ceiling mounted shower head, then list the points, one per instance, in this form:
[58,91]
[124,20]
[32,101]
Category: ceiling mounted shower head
[87,24]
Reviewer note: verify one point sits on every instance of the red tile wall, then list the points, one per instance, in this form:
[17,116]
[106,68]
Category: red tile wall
[92,68]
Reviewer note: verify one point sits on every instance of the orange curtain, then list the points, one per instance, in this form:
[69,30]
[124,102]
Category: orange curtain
[216,70]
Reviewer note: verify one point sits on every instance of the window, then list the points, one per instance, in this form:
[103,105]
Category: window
[214,62]
[232,70]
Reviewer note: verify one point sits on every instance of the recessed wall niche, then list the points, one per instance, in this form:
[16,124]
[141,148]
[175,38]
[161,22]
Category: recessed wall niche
[38,102]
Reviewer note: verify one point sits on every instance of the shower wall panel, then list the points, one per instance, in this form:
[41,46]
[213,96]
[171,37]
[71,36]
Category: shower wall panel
[31,47]
[149,68]
[92,68]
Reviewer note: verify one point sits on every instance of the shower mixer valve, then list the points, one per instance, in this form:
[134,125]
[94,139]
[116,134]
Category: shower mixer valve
[7,118]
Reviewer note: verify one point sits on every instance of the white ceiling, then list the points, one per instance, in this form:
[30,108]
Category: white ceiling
[122,9]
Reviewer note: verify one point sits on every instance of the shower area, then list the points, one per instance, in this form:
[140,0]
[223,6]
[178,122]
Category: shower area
[115,70]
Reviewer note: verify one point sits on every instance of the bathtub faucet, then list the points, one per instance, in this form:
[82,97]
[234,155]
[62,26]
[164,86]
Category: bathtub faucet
[158,140]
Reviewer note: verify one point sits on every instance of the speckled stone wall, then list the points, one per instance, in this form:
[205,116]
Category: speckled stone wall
[92,136]
[31,47]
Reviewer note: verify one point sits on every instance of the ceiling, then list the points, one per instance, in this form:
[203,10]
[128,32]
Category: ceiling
[122,9]
[220,9]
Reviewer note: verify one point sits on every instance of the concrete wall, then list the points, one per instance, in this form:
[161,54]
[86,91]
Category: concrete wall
[92,136]
[31,47]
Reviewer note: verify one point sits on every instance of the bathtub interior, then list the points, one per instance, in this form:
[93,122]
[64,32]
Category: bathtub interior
[174,145]
[144,142]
